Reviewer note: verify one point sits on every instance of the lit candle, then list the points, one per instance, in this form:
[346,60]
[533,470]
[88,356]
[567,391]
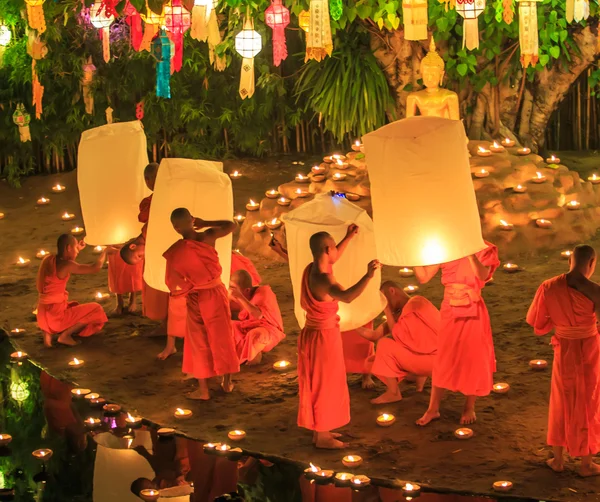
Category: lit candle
[483,152]
[506,226]
[284,201]
[133,420]
[236,435]
[594,179]
[352,460]
[91,396]
[463,433]
[42,253]
[311,471]
[573,205]
[210,447]
[482,173]
[321,170]
[339,176]
[92,423]
[111,409]
[519,189]
[235,175]
[538,364]
[43,454]
[406,272]
[356,146]
[77,230]
[80,392]
[222,450]
[385,420]
[496,147]
[501,388]
[566,254]
[17,331]
[19,355]
[149,494]
[67,216]
[300,178]
[252,206]
[538,178]
[5,439]
[502,486]
[410,289]
[353,197]
[273,224]
[318,178]
[98,249]
[1,216]
[23,262]
[281,365]
[411,490]
[182,413]
[76,363]
[542,223]
[272,194]
[43,201]
[340,164]
[239,218]
[343,479]
[259,227]
[507,142]
[58,188]
[510,267]
[360,481]
[301,194]
[98,402]
[165,432]
[552,160]
[101,297]
[324,476]
[524,151]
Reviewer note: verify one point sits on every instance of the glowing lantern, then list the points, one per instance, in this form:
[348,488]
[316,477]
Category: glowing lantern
[423,215]
[134,20]
[5,36]
[177,21]
[577,10]
[528,32]
[415,19]
[22,119]
[470,10]
[204,13]
[19,391]
[108,153]
[304,20]
[318,38]
[178,184]
[333,215]
[161,49]
[278,17]
[37,49]
[335,9]
[152,23]
[35,15]
[248,44]
[86,83]
[102,20]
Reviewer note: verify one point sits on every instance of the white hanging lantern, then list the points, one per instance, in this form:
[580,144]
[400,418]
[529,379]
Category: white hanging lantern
[248,43]
[415,19]
[318,36]
[470,10]
[528,33]
[577,10]
[102,21]
[5,35]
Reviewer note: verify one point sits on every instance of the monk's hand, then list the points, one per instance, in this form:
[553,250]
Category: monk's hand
[372,267]
[352,230]
[81,244]
[199,223]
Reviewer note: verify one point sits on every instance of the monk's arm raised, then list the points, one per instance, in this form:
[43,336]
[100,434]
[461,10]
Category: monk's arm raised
[217,229]
[479,268]
[350,233]
[73,267]
[425,274]
[337,292]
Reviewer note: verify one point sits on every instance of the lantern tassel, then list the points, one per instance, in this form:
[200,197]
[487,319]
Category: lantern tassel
[106,44]
[318,39]
[38,92]
[471,34]
[136,32]
[577,10]
[214,39]
[199,30]
[247,85]
[280,52]
[528,33]
[163,68]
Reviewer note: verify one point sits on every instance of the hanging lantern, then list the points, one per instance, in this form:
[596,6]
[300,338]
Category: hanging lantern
[470,10]
[203,13]
[277,17]
[415,19]
[161,49]
[37,91]
[21,118]
[248,44]
[152,23]
[101,20]
[318,39]
[35,15]
[134,20]
[577,10]
[5,36]
[528,33]
[177,21]
[304,20]
[86,83]
[335,9]
[37,49]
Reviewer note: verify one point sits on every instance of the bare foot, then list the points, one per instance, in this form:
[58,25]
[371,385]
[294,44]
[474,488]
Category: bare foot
[330,443]
[334,435]
[199,395]
[66,340]
[420,381]
[167,352]
[589,470]
[387,397]
[132,308]
[555,465]
[186,377]
[468,417]
[367,381]
[227,384]
[429,416]
[48,340]
[257,360]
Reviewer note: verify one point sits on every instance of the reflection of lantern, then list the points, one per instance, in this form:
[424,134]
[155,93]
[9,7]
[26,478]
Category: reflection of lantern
[161,49]
[318,38]
[423,215]
[35,15]
[134,20]
[278,17]
[101,20]
[86,83]
[19,391]
[333,215]
[21,118]
[304,20]
[577,10]
[415,19]
[528,33]
[178,184]
[152,23]
[177,21]
[470,11]
[248,44]
[109,152]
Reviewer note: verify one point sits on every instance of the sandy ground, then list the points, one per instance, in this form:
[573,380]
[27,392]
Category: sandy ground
[509,441]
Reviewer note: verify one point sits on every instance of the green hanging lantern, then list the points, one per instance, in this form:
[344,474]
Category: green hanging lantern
[335,9]
[161,49]
[21,118]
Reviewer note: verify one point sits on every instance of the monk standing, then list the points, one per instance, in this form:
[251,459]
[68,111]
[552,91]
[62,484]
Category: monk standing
[324,398]
[194,271]
[465,360]
[568,304]
[55,314]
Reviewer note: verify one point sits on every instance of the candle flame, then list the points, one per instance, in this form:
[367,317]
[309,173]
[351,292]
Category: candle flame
[357,143]
[76,361]
[409,487]
[350,458]
[594,176]
[496,145]
[19,354]
[483,171]
[98,295]
[235,173]
[300,177]
[238,433]
[538,175]
[274,221]
[252,203]
[573,203]
[223,447]
[336,156]
[552,157]
[129,443]
[503,223]
[273,191]
[481,149]
[339,162]
[21,260]
[504,483]
[519,187]
[42,454]
[180,411]
[461,433]
[506,140]
[298,191]
[129,417]
[313,467]
[357,481]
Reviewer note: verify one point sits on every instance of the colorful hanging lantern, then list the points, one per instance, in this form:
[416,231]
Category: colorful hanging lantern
[22,119]
[203,13]
[248,44]
[152,23]
[415,19]
[335,9]
[134,20]
[161,49]
[5,36]
[86,83]
[470,10]
[37,91]
[37,49]
[101,20]
[577,10]
[277,17]
[528,33]
[318,39]
[304,20]
[35,15]
[177,21]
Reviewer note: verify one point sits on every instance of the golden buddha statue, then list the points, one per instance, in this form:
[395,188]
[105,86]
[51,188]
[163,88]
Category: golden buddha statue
[433,101]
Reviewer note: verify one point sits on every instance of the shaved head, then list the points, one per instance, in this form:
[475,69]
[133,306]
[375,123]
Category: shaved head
[150,170]
[394,294]
[63,242]
[180,214]
[242,279]
[583,254]
[388,285]
[127,253]
[319,243]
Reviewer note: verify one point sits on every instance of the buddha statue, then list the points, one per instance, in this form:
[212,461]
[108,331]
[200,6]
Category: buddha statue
[433,101]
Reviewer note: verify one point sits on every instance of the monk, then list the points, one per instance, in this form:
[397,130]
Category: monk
[414,324]
[259,326]
[124,279]
[465,360]
[568,304]
[194,271]
[323,390]
[240,262]
[55,314]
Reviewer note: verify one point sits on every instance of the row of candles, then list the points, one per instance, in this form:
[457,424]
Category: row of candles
[496,147]
[594,179]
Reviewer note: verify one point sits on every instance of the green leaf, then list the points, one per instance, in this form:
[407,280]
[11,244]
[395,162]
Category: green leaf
[462,69]
[554,51]
[563,35]
[544,59]
[442,24]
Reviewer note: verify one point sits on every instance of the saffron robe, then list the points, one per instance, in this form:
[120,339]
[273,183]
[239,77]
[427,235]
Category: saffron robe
[122,277]
[323,390]
[240,262]
[358,352]
[412,348]
[258,335]
[55,313]
[193,271]
[177,317]
[574,415]
[465,361]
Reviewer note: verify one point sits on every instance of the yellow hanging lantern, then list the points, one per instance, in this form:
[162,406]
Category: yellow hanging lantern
[318,40]
[577,10]
[152,23]
[203,13]
[35,15]
[470,10]
[86,83]
[248,44]
[102,20]
[528,33]
[37,49]
[304,20]
[415,19]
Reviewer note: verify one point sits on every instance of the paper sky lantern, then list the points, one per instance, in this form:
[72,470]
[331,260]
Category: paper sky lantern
[110,177]
[424,206]
[528,33]
[102,20]
[202,188]
[304,20]
[22,119]
[86,84]
[318,36]
[152,23]
[277,17]
[35,15]
[333,215]
[177,21]
[415,19]
[248,44]
[470,10]
[161,49]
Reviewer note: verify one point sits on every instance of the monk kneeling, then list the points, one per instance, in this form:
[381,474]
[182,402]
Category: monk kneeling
[55,314]
[259,326]
[568,304]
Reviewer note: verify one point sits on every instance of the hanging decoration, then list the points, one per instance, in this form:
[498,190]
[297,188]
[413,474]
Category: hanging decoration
[5,36]
[508,11]
[528,33]
[37,91]
[203,13]
[152,23]
[277,17]
[577,10]
[139,110]
[248,44]
[415,19]
[134,20]
[448,4]
[304,20]
[318,39]
[109,115]
[35,15]
[86,83]
[21,118]
[177,21]
[161,49]
[470,10]
[101,19]
[335,9]
[37,49]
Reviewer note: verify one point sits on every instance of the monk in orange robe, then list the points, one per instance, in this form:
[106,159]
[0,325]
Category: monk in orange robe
[358,354]
[124,279]
[568,304]
[259,326]
[240,262]
[55,314]
[465,360]
[194,271]
[323,390]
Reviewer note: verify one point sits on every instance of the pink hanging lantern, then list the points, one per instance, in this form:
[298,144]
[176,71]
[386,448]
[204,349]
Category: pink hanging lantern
[277,17]
[101,19]
[177,21]
[134,20]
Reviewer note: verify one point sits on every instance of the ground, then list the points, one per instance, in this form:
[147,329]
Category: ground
[509,441]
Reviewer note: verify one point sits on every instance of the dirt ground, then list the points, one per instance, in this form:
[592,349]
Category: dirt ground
[509,441]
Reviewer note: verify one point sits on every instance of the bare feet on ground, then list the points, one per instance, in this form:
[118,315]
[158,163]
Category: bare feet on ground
[257,360]
[367,381]
[227,384]
[66,339]
[199,395]
[329,442]
[47,340]
[555,465]
[132,308]
[420,381]
[429,416]
[167,352]
[468,417]
[589,470]
[334,435]
[387,397]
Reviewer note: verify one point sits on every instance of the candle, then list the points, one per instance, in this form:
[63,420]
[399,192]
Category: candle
[538,178]
[406,272]
[483,152]
[524,151]
[318,178]
[507,142]
[76,363]
[385,420]
[252,206]
[482,173]
[43,201]
[182,413]
[519,189]
[77,230]
[22,262]
[98,249]
[133,420]
[301,194]
[284,201]
[342,479]
[411,490]
[236,435]
[311,471]
[42,253]
[353,197]
[166,432]
[101,297]
[510,267]
[360,481]
[1,216]
[273,224]
[97,402]
[594,179]
[463,433]
[272,194]
[235,175]
[17,331]
[339,176]
[340,164]
[502,486]
[300,178]
[496,147]
[259,227]
[356,146]
[92,423]
[552,160]
[281,365]
[239,218]
[149,494]
[111,409]
[542,223]
[538,364]
[80,392]
[92,395]
[323,476]
[573,205]
[501,388]
[5,439]
[58,188]
[321,170]
[222,449]
[19,355]
[506,226]
[43,454]
[410,289]
[352,460]
[67,216]
[566,254]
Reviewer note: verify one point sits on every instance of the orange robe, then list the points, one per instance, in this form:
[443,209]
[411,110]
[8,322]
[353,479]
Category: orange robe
[412,348]
[240,262]
[258,335]
[193,271]
[323,390]
[465,361]
[574,415]
[55,313]
[122,277]
[177,318]
[358,352]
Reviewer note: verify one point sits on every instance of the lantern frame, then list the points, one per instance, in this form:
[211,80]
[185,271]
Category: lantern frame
[248,43]
[177,19]
[98,17]
[470,9]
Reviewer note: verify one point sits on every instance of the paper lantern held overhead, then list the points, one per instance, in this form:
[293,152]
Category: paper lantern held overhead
[470,10]
[248,43]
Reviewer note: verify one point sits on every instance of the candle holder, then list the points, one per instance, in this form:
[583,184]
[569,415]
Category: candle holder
[502,486]
[339,177]
[482,173]
[41,254]
[97,402]
[300,178]
[594,179]
[552,160]
[79,392]
[500,388]
[411,490]
[566,254]
[406,272]
[222,450]
[23,262]
[507,142]
[235,175]
[510,267]
[92,395]
[101,297]
[58,188]
[282,366]
[92,423]
[166,432]
[411,289]
[538,178]
[284,201]
[17,331]
[483,152]
[519,189]
[318,178]
[322,170]
[506,226]
[111,409]
[386,420]
[76,363]
[149,495]
[310,472]
[98,249]
[5,439]
[352,197]
[43,454]
[19,356]
[324,477]
[77,230]
[239,218]
[340,164]
[67,216]
[236,435]
[573,205]
[1,216]
[542,223]
[259,227]
[356,146]
[272,194]
[524,151]
[210,448]
[342,479]
[273,224]
[133,421]
[252,206]
[463,433]
[538,364]
[496,147]
[301,194]
[360,482]
[182,413]
[352,461]
[43,201]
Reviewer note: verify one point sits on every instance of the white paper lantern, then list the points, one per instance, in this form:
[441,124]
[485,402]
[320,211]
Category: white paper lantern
[424,206]
[102,21]
[198,185]
[470,10]
[110,177]
[333,215]
[5,35]
[248,42]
